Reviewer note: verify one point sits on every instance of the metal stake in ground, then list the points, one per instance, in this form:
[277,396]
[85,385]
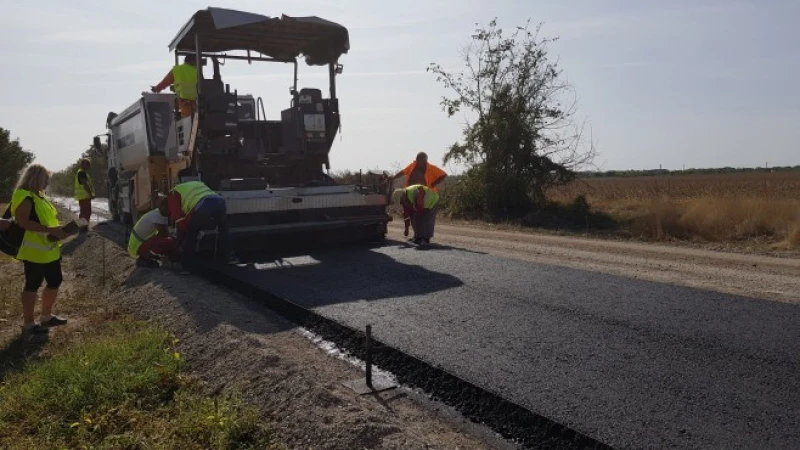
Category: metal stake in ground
[368,358]
[104,263]
[368,385]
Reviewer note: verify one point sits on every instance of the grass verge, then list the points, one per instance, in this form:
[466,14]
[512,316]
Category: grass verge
[106,381]
[122,388]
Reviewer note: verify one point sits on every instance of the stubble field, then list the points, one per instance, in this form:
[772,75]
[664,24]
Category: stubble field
[756,206]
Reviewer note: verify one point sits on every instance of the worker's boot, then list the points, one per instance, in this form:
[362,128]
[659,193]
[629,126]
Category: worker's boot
[147,262]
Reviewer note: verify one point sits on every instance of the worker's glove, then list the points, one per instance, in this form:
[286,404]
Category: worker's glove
[153,89]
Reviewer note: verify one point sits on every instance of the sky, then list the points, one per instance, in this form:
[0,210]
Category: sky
[698,83]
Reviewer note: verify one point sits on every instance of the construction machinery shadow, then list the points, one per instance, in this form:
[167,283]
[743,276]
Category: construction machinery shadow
[359,273]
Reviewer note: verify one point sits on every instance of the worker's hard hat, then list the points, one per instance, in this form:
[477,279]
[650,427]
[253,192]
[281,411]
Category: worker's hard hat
[397,195]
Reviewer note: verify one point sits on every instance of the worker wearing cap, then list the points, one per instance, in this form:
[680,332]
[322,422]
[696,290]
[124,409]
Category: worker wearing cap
[419,210]
[193,207]
[422,172]
[84,190]
[184,77]
[150,239]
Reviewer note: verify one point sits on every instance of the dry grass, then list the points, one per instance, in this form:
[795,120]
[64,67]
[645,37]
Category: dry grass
[725,207]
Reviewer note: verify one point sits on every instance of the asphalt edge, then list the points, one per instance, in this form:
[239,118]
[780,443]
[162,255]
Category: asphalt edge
[527,428]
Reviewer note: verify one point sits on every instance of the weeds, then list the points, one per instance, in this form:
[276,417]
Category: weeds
[120,390]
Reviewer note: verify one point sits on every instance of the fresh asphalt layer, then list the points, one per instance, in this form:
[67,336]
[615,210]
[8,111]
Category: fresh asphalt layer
[631,363]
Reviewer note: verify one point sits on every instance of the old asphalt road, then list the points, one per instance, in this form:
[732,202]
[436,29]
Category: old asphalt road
[630,362]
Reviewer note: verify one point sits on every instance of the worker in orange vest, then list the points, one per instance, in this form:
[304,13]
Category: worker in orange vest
[421,172]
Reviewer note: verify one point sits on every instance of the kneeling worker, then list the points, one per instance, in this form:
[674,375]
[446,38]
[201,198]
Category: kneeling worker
[193,207]
[419,210]
[150,239]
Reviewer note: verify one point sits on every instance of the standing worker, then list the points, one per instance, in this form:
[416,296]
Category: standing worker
[193,207]
[84,190]
[184,77]
[40,255]
[422,172]
[419,210]
[150,239]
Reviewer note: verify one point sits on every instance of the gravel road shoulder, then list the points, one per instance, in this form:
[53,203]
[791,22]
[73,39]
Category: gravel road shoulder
[228,341]
[749,275]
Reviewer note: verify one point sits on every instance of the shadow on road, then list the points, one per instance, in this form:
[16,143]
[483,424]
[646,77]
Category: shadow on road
[339,275]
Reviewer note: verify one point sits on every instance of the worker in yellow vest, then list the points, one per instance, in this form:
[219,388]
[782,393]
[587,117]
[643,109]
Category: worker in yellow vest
[419,210]
[41,256]
[84,189]
[150,239]
[184,78]
[193,207]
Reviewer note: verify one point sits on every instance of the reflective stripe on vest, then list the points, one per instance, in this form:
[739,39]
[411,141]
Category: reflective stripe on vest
[431,196]
[80,191]
[134,243]
[35,247]
[136,240]
[191,194]
[185,77]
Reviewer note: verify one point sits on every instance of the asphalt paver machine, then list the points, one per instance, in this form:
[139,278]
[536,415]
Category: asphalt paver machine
[273,174]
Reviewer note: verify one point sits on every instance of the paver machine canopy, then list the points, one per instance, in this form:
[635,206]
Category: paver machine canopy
[231,144]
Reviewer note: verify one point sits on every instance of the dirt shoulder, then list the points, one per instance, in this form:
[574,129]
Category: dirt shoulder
[749,275]
[229,341]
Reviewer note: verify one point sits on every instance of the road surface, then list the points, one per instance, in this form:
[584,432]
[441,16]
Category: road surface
[637,345]
[631,362]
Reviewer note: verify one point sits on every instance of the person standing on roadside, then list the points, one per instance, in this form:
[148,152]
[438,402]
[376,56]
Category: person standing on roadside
[84,190]
[421,172]
[40,256]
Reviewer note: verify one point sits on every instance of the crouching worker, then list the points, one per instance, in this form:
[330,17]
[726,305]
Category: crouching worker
[194,207]
[150,239]
[419,210]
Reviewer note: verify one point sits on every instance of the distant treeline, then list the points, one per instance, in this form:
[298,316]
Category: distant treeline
[658,172]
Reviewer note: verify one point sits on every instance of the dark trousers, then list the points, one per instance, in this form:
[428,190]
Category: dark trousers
[424,223]
[210,214]
[85,209]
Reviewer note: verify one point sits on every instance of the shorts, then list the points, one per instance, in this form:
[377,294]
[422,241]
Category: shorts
[35,273]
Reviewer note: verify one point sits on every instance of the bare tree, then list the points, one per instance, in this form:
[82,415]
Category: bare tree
[523,137]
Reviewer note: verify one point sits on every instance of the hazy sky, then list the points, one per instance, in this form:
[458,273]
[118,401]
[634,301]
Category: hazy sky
[702,83]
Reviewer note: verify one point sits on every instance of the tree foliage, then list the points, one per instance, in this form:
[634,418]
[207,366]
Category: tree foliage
[520,137]
[13,158]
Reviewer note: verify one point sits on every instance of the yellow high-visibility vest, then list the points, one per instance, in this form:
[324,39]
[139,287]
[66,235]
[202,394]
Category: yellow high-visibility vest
[135,240]
[431,196]
[35,247]
[80,191]
[185,76]
[191,194]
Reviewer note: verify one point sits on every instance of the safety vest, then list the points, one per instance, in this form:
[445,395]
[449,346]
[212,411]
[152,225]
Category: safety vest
[431,196]
[80,191]
[136,241]
[191,194]
[35,247]
[185,79]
